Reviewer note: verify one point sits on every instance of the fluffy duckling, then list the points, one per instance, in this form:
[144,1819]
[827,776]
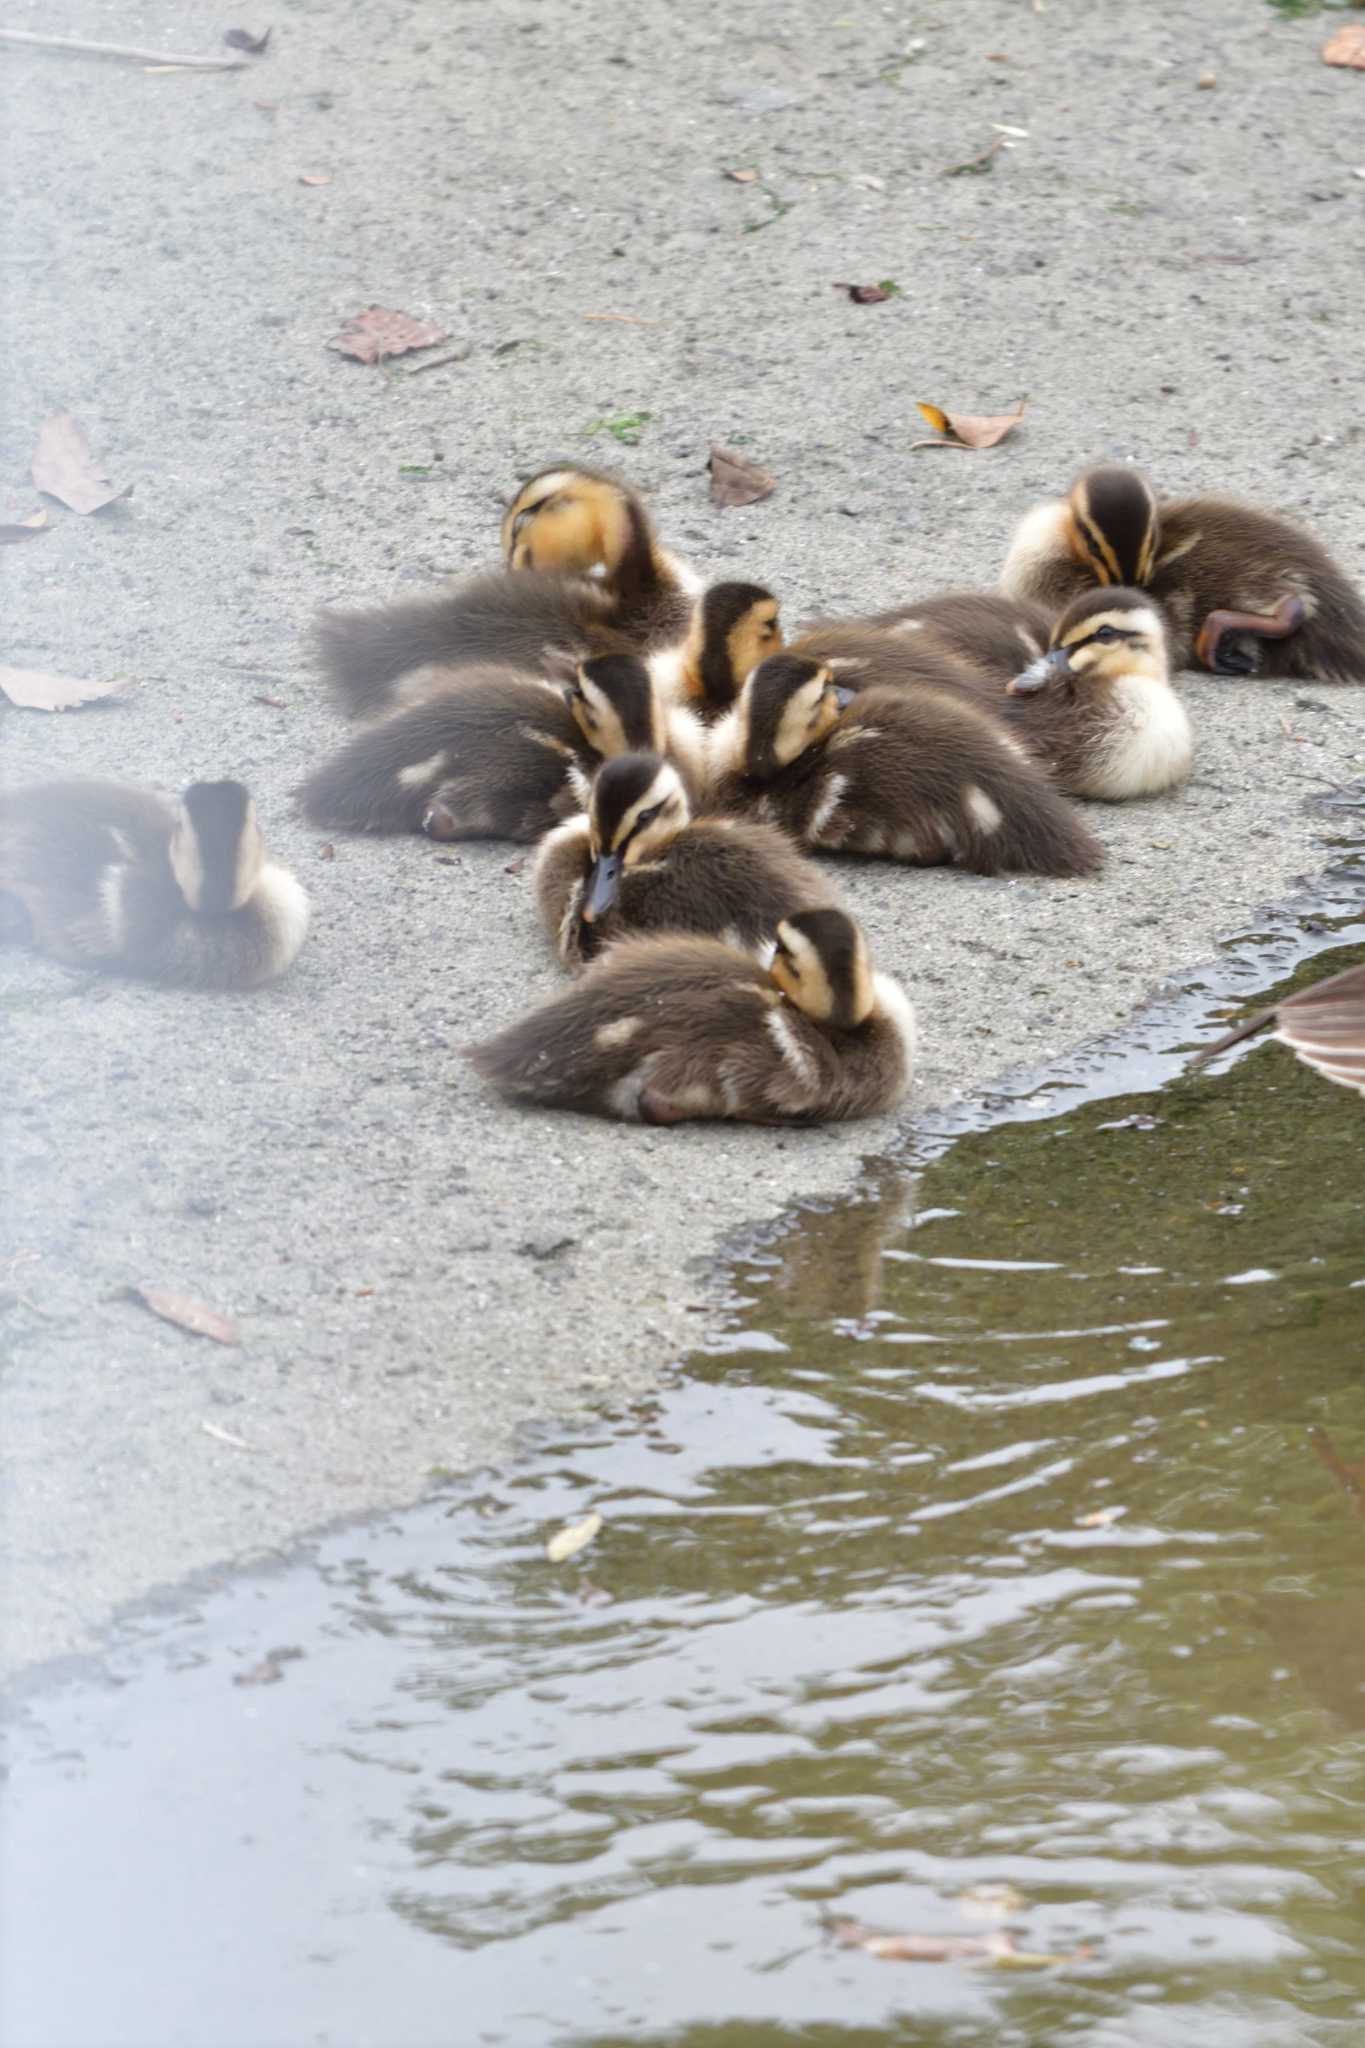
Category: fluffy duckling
[105,874]
[734,626]
[981,633]
[1245,592]
[584,522]
[493,754]
[1098,707]
[914,775]
[639,862]
[1324,1025]
[665,1029]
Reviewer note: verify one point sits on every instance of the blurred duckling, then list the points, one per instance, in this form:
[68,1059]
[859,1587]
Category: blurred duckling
[584,522]
[639,862]
[490,753]
[1324,1025]
[1098,707]
[110,875]
[914,775]
[1245,592]
[669,1028]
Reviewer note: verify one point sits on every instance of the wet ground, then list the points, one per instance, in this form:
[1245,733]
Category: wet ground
[1002,1573]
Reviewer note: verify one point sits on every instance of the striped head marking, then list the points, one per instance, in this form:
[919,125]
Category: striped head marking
[734,627]
[821,966]
[567,520]
[612,701]
[1103,635]
[1114,528]
[638,808]
[788,704]
[215,850]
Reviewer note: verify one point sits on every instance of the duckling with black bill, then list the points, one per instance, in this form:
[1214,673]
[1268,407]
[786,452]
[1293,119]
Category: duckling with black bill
[639,862]
[665,1029]
[584,521]
[1244,592]
[113,876]
[490,753]
[913,775]
[1098,708]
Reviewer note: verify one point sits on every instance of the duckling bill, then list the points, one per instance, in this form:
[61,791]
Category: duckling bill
[109,875]
[671,1028]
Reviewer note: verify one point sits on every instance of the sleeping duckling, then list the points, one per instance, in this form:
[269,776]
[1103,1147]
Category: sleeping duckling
[105,874]
[639,862]
[1324,1025]
[983,633]
[492,754]
[665,1029]
[734,627]
[584,522]
[915,775]
[1098,707]
[1245,592]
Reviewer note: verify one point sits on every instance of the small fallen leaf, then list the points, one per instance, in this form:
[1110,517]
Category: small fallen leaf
[275,703]
[573,1537]
[327,851]
[225,1436]
[64,467]
[33,690]
[1102,1518]
[742,177]
[1346,47]
[242,39]
[968,429]
[972,165]
[872,294]
[514,867]
[991,1901]
[12,530]
[1003,128]
[186,1314]
[1206,81]
[376,333]
[737,481]
[868,182]
[998,1948]
[313,178]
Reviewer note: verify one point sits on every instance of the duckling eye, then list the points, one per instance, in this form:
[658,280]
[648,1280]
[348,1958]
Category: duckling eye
[648,817]
[1107,633]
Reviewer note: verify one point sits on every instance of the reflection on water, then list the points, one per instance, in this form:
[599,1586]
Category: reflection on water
[1014,1537]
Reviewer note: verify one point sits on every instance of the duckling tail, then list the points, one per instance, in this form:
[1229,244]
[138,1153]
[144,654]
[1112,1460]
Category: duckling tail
[364,653]
[1016,822]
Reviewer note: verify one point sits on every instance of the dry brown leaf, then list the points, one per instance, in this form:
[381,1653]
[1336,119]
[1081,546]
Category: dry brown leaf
[33,690]
[868,294]
[1099,1518]
[242,39]
[743,177]
[968,429]
[737,481]
[12,530]
[64,467]
[186,1314]
[313,178]
[573,1537]
[377,332]
[982,161]
[1346,47]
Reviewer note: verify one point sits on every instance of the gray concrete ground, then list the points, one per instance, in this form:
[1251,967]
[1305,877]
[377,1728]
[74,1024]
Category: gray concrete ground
[1168,272]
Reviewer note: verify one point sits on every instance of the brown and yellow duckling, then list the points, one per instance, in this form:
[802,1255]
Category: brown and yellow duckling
[1244,592]
[917,775]
[489,753]
[1324,1025]
[1098,707]
[734,626]
[639,862]
[109,875]
[664,1029]
[577,521]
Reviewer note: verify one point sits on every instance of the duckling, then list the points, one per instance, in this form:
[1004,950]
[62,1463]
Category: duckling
[734,626]
[639,862]
[665,1029]
[1324,1025]
[1098,707]
[916,775]
[1245,592]
[982,634]
[489,753]
[106,874]
[588,523]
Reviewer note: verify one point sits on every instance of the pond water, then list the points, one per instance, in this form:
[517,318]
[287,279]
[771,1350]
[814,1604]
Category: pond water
[1002,1571]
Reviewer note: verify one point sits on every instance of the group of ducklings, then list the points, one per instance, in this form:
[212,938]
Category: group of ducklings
[676,760]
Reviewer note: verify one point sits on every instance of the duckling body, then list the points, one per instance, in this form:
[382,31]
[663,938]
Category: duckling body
[106,874]
[570,519]
[1244,591]
[490,753]
[1098,707]
[665,1029]
[914,775]
[980,636]
[638,862]
[1324,1025]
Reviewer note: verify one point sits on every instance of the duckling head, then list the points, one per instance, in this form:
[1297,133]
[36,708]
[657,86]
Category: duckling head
[1112,524]
[734,627]
[638,807]
[789,703]
[1105,634]
[572,520]
[612,700]
[821,965]
[215,851]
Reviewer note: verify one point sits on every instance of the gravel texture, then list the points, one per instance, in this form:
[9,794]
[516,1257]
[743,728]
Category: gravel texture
[1168,271]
